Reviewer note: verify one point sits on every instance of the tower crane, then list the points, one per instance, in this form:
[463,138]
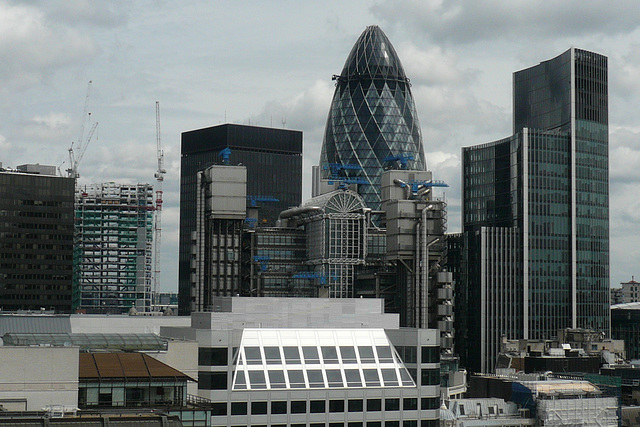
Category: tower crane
[159,175]
[76,153]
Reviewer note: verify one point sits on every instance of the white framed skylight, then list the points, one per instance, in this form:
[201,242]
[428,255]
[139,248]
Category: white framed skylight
[317,358]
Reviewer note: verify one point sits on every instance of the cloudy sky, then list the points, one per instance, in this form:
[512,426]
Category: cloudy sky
[270,64]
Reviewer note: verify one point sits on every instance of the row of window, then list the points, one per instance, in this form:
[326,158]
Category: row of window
[405,423]
[310,355]
[323,406]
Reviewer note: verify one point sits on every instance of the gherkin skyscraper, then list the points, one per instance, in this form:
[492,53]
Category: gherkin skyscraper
[373,116]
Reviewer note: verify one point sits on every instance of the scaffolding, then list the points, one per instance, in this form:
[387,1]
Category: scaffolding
[566,402]
[114,235]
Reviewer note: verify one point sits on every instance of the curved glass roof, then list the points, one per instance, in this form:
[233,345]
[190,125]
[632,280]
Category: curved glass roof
[124,342]
[372,116]
[270,359]
[373,55]
[339,201]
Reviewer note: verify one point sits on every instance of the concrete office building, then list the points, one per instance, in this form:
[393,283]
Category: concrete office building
[36,239]
[215,257]
[313,361]
[263,151]
[535,213]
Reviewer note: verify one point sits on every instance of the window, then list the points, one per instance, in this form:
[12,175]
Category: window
[348,354]
[355,424]
[279,407]
[238,408]
[431,403]
[310,355]
[371,377]
[409,403]
[410,423]
[392,424]
[291,355]
[257,379]
[212,380]
[355,405]
[430,354]
[296,379]
[389,376]
[258,408]
[276,379]
[299,407]
[317,406]
[366,354]
[430,376]
[272,354]
[334,378]
[241,383]
[392,404]
[253,355]
[212,356]
[374,404]
[353,377]
[336,406]
[219,408]
[329,354]
[430,423]
[315,378]
[374,423]
[384,354]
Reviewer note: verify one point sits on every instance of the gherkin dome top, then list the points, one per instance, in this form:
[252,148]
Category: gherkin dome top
[373,56]
[372,118]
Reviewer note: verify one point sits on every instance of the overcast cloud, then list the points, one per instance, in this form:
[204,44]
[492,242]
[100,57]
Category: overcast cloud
[270,63]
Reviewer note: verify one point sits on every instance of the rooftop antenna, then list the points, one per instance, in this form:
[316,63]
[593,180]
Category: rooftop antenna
[284,122]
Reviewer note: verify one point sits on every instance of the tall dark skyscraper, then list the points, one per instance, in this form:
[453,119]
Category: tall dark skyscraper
[536,213]
[372,114]
[273,158]
[36,239]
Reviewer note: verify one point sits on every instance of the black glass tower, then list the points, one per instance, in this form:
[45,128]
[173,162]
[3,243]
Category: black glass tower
[36,240]
[273,158]
[372,116]
[536,213]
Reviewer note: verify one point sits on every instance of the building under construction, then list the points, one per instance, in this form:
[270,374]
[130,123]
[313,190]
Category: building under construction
[113,258]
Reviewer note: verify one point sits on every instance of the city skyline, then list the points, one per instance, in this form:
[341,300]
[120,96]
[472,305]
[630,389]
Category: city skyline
[276,65]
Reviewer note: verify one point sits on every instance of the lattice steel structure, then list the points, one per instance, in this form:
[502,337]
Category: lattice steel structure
[372,115]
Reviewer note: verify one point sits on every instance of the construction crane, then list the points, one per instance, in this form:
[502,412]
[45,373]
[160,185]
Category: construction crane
[253,200]
[76,153]
[392,160]
[157,228]
[338,174]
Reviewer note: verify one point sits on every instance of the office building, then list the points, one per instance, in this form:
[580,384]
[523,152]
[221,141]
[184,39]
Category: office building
[263,151]
[630,291]
[36,239]
[625,325]
[535,213]
[216,255]
[113,251]
[372,123]
[312,362]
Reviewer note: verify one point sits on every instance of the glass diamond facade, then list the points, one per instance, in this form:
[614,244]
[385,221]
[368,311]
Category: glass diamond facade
[372,115]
